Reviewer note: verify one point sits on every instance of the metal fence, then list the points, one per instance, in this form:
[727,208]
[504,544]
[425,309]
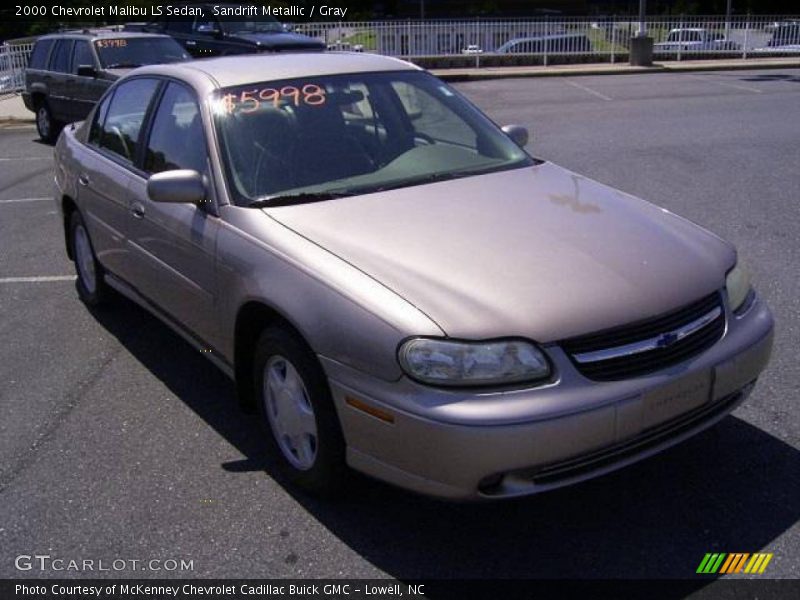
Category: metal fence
[513,41]
[13,60]
[605,39]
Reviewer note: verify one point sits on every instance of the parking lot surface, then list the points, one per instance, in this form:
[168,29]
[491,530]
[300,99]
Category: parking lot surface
[118,440]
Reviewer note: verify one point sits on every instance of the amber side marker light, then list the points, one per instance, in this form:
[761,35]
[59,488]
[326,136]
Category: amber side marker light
[370,410]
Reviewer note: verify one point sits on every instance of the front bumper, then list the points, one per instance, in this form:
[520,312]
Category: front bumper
[478,444]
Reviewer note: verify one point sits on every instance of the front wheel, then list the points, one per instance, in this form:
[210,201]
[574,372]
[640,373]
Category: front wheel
[298,413]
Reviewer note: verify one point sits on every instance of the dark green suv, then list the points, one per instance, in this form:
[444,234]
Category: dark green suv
[69,71]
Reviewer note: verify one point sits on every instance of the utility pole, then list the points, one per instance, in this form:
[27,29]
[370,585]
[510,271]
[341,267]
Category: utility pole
[728,20]
[641,46]
[642,13]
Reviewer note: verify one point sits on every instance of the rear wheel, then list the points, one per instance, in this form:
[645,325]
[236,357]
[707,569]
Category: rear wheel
[298,413]
[47,127]
[92,289]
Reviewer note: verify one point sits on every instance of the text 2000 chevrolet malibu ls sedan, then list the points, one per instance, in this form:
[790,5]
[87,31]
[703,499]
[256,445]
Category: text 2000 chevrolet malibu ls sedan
[395,283]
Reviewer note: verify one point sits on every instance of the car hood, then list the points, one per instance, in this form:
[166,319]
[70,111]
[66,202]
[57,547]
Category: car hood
[539,252]
[280,41]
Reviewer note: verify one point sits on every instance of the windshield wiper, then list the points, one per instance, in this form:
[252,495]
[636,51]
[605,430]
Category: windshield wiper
[123,65]
[301,198]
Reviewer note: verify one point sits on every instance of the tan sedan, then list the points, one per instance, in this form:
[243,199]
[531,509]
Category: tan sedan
[395,284]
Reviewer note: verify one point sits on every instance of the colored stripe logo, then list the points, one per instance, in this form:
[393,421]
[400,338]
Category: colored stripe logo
[737,562]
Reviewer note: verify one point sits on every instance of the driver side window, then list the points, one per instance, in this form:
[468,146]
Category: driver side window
[118,131]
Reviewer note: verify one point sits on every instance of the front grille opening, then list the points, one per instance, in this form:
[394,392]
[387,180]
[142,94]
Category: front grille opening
[585,464]
[646,362]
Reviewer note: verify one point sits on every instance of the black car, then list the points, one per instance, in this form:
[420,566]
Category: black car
[69,71]
[207,31]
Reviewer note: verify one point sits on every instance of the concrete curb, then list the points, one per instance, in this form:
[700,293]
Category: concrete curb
[488,73]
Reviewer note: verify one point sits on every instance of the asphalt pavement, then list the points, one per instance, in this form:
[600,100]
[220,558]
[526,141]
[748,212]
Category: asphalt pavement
[119,441]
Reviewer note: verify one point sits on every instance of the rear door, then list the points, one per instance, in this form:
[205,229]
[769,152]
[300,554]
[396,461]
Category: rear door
[105,178]
[85,91]
[57,80]
[172,246]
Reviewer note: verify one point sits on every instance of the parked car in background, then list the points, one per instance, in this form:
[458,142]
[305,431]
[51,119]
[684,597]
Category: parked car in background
[209,35]
[472,49]
[694,39]
[395,284]
[785,34]
[69,71]
[342,46]
[561,43]
[11,79]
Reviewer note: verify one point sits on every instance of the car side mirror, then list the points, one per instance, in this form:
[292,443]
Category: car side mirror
[179,186]
[87,71]
[517,133]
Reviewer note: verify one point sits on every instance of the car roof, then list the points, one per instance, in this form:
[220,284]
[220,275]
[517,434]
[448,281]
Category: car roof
[252,68]
[99,34]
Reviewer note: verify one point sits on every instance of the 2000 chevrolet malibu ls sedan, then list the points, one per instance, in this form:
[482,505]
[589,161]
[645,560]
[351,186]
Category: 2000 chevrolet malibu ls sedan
[395,284]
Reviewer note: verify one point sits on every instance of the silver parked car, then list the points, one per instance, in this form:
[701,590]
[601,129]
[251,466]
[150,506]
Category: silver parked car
[395,284]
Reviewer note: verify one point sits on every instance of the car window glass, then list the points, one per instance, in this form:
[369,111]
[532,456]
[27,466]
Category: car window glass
[82,56]
[59,61]
[430,118]
[99,119]
[353,132]
[120,130]
[179,26]
[176,138]
[206,26]
[39,54]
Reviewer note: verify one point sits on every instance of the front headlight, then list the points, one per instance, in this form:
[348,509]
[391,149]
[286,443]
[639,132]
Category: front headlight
[737,283]
[444,362]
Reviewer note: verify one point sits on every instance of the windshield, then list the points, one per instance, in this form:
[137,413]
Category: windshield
[325,137]
[137,51]
[260,26]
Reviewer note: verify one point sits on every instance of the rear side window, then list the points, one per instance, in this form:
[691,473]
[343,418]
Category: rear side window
[119,131]
[176,138]
[179,26]
[82,56]
[39,55]
[59,58]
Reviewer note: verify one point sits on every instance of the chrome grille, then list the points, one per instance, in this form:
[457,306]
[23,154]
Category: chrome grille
[647,346]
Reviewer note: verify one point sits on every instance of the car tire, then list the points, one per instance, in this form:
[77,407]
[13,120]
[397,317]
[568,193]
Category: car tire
[91,285]
[47,127]
[297,413]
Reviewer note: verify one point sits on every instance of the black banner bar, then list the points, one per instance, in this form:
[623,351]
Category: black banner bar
[701,588]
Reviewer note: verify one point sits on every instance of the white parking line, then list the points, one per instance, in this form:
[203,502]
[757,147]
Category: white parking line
[588,90]
[8,158]
[42,279]
[746,88]
[18,200]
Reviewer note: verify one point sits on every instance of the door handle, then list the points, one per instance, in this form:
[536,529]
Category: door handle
[83,179]
[191,43]
[137,210]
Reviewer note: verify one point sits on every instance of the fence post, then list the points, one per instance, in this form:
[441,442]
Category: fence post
[613,37]
[681,33]
[546,39]
[746,35]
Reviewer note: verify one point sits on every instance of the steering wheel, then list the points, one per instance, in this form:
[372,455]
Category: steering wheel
[123,142]
[265,156]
